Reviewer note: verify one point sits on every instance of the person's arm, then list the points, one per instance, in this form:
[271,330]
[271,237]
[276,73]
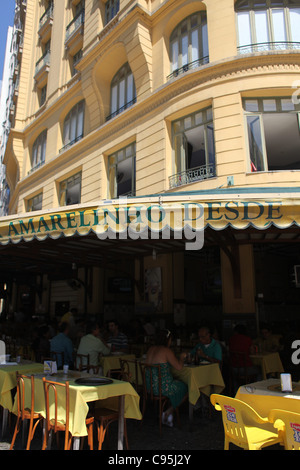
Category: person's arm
[173,361]
[216,358]
[102,348]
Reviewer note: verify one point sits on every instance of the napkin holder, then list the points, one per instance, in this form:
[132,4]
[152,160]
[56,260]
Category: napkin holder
[50,367]
[286,383]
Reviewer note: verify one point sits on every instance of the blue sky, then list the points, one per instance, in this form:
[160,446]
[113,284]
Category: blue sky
[6,20]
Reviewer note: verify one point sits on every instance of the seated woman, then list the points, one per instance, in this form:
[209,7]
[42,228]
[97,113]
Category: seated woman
[175,390]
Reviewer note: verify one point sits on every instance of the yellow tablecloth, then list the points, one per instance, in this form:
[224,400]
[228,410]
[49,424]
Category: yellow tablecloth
[263,397]
[80,395]
[113,361]
[8,379]
[268,362]
[206,378]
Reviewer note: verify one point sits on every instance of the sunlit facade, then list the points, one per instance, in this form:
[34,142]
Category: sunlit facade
[127,98]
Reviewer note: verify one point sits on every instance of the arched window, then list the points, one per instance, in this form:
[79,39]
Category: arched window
[39,151]
[268,25]
[73,125]
[123,93]
[189,44]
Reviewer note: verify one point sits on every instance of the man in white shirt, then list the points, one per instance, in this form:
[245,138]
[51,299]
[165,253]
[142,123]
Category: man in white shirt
[91,344]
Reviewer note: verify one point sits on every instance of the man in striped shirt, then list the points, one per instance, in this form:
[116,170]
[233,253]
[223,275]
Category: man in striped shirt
[117,339]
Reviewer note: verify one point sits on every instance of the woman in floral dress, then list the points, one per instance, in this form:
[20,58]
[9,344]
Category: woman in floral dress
[175,390]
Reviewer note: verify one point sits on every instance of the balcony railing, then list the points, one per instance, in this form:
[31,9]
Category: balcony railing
[35,167]
[69,144]
[42,62]
[191,175]
[189,66]
[120,110]
[75,24]
[268,46]
[47,15]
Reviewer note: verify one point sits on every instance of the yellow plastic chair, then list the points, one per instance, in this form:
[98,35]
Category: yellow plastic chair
[243,426]
[288,424]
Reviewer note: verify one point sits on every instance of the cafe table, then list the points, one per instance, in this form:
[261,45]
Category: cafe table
[8,381]
[204,378]
[112,361]
[269,363]
[117,395]
[266,395]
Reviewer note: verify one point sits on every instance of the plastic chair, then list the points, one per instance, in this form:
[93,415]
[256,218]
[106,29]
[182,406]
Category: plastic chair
[150,371]
[288,425]
[25,413]
[52,423]
[243,426]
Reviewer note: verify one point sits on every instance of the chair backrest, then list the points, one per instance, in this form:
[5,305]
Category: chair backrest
[93,369]
[57,396]
[82,361]
[151,374]
[235,413]
[291,431]
[130,371]
[21,393]
[58,357]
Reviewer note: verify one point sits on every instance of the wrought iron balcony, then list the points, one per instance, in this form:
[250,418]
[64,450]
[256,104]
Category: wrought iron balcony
[192,175]
[42,63]
[120,110]
[189,66]
[46,16]
[75,25]
[72,142]
[268,46]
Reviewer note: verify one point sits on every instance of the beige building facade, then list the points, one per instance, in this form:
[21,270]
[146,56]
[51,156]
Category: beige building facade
[168,98]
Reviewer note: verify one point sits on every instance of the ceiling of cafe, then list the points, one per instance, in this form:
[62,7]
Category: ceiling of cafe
[57,256]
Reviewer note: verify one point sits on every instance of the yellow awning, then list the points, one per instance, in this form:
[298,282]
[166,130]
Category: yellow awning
[156,213]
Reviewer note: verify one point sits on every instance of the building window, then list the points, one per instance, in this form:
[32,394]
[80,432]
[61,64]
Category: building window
[268,25]
[75,59]
[39,151]
[111,9]
[121,170]
[35,203]
[43,95]
[123,93]
[189,44]
[273,134]
[70,191]
[73,125]
[194,148]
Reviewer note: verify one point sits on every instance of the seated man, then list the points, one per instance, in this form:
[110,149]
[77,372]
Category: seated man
[61,343]
[91,344]
[117,339]
[208,348]
[267,341]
